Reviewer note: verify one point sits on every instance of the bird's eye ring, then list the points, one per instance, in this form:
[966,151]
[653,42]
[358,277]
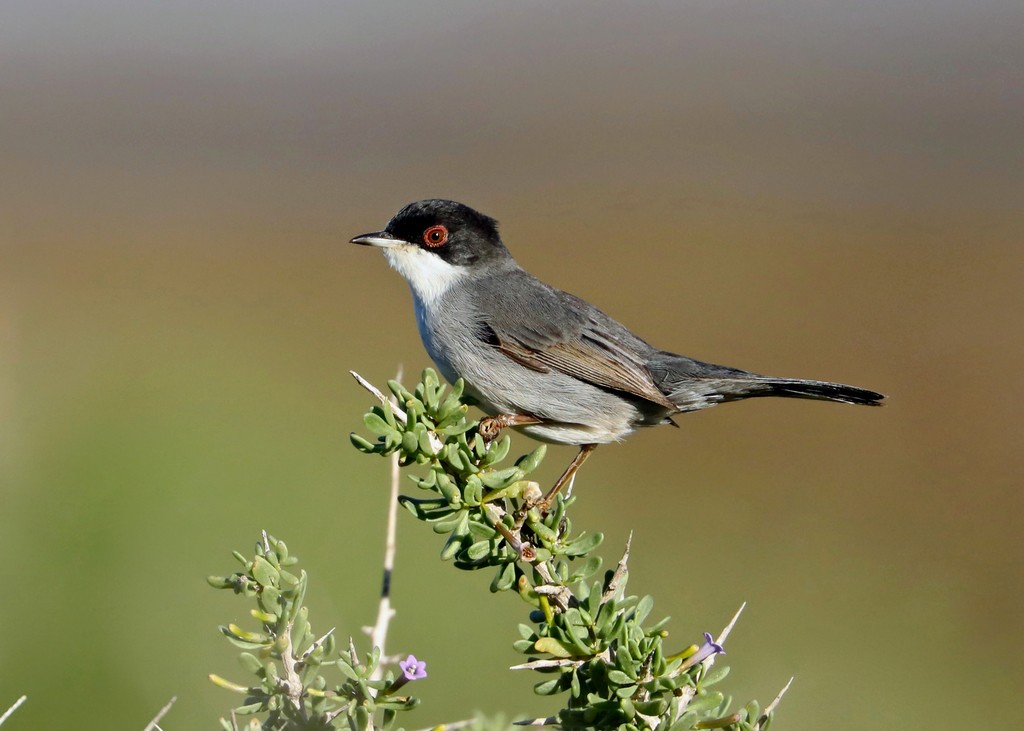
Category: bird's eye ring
[435,236]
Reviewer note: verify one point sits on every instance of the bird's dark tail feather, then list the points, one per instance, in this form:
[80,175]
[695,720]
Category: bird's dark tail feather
[700,393]
[799,388]
[691,384]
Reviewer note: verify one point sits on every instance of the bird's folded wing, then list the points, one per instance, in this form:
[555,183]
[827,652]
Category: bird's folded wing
[546,329]
[588,357]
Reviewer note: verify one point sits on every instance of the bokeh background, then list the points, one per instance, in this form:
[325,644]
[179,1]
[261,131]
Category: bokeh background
[807,188]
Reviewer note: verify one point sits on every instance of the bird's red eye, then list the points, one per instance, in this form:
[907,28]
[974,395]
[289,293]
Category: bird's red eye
[435,236]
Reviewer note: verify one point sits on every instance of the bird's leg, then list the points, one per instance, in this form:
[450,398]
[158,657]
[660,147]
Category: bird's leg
[490,426]
[562,481]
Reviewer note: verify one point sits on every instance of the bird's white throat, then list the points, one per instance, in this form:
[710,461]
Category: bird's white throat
[429,276]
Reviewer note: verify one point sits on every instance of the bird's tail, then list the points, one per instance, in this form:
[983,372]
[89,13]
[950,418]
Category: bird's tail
[800,388]
[691,384]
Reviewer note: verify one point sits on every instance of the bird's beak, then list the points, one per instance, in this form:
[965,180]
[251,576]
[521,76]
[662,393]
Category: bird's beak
[381,239]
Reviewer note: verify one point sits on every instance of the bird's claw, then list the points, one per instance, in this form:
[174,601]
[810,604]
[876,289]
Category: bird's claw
[490,427]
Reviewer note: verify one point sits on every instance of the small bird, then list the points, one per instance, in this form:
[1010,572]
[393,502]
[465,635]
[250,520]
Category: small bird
[542,360]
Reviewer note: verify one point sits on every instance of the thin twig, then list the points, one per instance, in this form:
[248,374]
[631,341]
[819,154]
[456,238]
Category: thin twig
[399,414]
[318,642]
[771,706]
[538,664]
[720,640]
[152,725]
[620,571]
[12,709]
[379,631]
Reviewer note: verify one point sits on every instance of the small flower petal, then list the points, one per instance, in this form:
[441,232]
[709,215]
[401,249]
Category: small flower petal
[714,647]
[413,669]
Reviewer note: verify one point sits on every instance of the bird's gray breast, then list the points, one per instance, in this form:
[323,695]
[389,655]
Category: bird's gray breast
[435,326]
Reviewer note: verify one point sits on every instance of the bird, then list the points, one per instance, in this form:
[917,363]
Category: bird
[541,360]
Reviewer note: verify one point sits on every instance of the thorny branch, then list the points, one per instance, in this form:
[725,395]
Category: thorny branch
[10,711]
[152,725]
[379,632]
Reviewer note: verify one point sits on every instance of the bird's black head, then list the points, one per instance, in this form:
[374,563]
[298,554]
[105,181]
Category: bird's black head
[452,231]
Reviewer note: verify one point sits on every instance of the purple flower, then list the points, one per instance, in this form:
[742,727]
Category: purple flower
[412,668]
[708,649]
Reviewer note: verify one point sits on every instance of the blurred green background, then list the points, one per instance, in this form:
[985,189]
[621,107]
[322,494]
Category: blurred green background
[803,188]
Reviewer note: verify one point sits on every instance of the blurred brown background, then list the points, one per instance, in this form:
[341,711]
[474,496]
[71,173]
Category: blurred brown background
[805,188]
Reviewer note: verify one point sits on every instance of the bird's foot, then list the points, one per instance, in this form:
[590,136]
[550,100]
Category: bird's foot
[490,426]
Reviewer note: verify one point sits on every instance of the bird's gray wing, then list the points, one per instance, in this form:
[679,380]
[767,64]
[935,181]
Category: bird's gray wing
[545,329]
